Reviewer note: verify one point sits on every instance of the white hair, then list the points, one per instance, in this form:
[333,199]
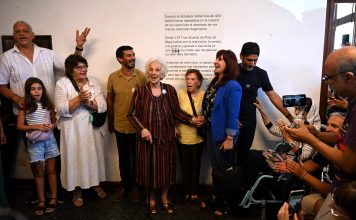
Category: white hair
[22,22]
[162,64]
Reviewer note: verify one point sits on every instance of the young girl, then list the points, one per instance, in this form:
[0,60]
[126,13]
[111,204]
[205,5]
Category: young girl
[38,120]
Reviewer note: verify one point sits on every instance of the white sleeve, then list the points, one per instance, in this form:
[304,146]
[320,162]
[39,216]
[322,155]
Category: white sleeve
[4,70]
[99,96]
[61,99]
[58,66]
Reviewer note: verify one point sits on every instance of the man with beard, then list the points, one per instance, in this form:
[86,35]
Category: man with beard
[251,79]
[120,88]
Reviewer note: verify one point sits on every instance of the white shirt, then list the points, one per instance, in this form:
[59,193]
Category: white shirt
[15,69]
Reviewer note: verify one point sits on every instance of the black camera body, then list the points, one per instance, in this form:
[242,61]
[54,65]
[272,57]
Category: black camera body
[294,100]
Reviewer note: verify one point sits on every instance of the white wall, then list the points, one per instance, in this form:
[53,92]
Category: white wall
[289,32]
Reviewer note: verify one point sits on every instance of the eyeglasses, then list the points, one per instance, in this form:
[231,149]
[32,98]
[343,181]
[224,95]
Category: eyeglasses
[326,77]
[84,67]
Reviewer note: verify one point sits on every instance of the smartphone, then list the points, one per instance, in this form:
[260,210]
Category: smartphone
[295,198]
[294,100]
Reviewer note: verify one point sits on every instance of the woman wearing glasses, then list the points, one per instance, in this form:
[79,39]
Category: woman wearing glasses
[81,144]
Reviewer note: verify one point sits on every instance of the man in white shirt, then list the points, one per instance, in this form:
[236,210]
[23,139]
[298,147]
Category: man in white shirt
[21,62]
[28,60]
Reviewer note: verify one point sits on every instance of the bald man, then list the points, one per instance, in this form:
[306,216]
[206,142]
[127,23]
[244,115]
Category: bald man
[340,70]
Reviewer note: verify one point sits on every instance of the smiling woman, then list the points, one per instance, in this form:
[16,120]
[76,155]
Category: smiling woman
[77,96]
[153,111]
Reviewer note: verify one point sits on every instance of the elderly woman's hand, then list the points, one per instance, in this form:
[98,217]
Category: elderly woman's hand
[197,121]
[146,135]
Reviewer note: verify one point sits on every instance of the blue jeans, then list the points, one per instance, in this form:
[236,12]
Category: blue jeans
[220,160]
[42,150]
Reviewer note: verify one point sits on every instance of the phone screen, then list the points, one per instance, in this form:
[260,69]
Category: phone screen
[294,100]
[295,198]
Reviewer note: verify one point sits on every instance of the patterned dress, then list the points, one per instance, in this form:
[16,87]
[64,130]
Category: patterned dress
[156,163]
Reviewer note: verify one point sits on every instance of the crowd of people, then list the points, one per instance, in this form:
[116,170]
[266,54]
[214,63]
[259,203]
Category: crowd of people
[151,121]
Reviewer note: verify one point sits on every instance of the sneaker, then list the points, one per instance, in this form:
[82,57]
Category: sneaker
[119,195]
[135,194]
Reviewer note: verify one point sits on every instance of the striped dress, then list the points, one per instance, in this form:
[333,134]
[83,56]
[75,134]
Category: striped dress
[157,114]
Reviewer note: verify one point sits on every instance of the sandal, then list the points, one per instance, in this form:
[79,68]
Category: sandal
[78,202]
[40,208]
[168,207]
[51,207]
[100,192]
[209,202]
[153,207]
[222,210]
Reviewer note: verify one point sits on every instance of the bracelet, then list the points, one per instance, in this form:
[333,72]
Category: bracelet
[78,49]
[301,176]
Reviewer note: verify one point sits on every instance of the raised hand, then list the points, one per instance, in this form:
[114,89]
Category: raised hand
[82,38]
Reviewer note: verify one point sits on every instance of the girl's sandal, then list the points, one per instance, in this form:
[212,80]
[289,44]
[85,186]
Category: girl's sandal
[168,207]
[153,207]
[52,205]
[40,208]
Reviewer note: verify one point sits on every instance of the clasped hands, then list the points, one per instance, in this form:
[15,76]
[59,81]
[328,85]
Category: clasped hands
[197,121]
[84,96]
[43,127]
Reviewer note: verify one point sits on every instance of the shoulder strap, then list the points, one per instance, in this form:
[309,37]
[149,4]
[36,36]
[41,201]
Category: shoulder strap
[74,84]
[192,103]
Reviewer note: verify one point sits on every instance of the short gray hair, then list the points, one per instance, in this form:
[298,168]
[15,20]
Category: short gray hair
[339,114]
[22,22]
[162,64]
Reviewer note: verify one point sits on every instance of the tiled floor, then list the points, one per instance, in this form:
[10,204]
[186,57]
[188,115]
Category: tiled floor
[106,209]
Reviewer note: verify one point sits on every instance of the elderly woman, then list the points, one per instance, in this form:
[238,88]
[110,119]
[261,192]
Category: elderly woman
[190,144]
[221,107]
[154,107]
[81,144]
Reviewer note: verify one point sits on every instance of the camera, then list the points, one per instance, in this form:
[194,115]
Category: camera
[295,198]
[294,100]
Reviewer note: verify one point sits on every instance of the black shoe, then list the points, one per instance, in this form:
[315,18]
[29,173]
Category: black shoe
[119,195]
[135,194]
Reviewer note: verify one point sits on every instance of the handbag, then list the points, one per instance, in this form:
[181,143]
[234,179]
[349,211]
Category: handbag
[201,131]
[98,119]
[38,135]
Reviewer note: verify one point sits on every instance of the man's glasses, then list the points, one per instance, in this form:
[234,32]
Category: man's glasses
[326,77]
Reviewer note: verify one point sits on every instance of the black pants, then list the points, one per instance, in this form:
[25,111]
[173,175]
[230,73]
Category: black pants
[126,145]
[9,152]
[244,142]
[190,160]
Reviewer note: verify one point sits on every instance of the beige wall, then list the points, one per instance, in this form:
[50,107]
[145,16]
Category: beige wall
[290,34]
